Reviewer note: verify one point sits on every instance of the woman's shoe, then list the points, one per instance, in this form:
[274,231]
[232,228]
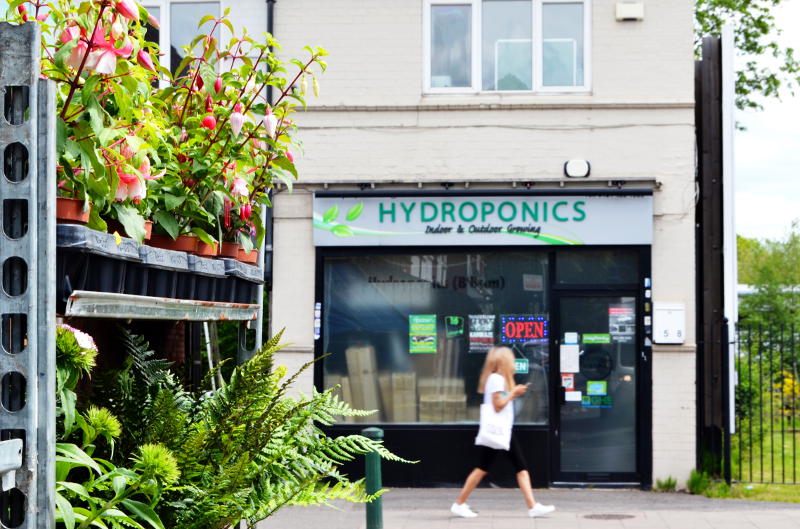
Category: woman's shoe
[463,510]
[540,510]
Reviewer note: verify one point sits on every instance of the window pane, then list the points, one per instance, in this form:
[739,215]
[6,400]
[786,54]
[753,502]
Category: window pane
[407,334]
[451,36]
[562,46]
[183,26]
[597,267]
[506,45]
[151,33]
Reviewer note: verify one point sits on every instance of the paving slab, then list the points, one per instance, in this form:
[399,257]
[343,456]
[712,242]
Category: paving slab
[576,509]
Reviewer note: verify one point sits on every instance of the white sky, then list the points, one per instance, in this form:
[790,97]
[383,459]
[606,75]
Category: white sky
[767,154]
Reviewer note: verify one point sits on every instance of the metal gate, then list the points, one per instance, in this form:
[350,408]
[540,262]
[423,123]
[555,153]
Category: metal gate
[765,445]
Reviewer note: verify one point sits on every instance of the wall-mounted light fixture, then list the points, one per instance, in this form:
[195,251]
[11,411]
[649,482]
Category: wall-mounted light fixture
[577,168]
[630,11]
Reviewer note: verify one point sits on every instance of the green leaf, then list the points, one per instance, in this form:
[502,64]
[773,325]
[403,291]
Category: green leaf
[89,90]
[64,512]
[341,230]
[171,201]
[144,512]
[119,484]
[77,488]
[207,18]
[331,214]
[168,222]
[246,242]
[132,221]
[95,115]
[355,211]
[68,452]
[96,222]
[68,399]
[204,236]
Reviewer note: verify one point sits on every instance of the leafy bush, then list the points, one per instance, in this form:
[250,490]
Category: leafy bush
[698,482]
[666,485]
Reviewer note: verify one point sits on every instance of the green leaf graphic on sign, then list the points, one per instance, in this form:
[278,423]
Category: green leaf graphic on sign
[331,214]
[342,231]
[355,211]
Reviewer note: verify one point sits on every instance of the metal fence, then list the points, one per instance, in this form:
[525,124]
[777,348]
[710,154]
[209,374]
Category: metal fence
[767,437]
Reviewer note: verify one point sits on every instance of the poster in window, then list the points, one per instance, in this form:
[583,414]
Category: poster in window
[481,332]
[622,323]
[421,333]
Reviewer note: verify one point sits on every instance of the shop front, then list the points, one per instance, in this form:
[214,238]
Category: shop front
[413,289]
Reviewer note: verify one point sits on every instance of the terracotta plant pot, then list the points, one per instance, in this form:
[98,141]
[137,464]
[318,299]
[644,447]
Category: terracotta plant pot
[114,226]
[250,258]
[70,211]
[184,243]
[230,249]
[206,250]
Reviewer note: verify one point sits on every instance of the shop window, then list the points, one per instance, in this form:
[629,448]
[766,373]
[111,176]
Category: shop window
[506,45]
[597,267]
[407,334]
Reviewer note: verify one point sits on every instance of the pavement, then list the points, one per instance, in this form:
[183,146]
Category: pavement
[576,509]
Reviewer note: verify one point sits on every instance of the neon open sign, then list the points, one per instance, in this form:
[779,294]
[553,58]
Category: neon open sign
[523,328]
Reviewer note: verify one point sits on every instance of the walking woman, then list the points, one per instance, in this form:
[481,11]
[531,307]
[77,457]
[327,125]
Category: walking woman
[499,390]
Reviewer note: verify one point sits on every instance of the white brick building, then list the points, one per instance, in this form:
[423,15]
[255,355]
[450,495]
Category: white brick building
[431,108]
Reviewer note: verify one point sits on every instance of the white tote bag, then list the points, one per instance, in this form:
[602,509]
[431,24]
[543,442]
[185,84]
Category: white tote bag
[495,428]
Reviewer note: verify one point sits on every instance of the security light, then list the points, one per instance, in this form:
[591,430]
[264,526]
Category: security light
[577,168]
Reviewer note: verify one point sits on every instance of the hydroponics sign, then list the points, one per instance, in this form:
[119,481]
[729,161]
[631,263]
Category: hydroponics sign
[495,220]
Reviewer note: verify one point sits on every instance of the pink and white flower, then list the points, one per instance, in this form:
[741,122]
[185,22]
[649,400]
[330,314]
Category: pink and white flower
[128,9]
[270,123]
[237,119]
[239,187]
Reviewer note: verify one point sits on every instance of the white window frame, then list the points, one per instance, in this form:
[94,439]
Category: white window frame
[165,21]
[476,7]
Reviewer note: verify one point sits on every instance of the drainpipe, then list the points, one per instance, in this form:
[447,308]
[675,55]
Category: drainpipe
[271,31]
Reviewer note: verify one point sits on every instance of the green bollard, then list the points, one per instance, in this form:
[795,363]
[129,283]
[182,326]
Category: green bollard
[373,478]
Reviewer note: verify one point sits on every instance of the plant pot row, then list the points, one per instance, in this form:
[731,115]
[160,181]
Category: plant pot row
[87,259]
[70,211]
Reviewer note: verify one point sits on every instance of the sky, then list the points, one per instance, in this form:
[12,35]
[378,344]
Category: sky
[767,154]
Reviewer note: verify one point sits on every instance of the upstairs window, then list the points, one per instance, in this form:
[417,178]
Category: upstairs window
[506,46]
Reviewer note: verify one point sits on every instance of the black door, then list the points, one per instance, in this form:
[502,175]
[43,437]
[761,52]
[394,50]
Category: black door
[598,402]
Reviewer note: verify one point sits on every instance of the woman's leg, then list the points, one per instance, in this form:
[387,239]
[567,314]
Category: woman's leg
[473,479]
[524,482]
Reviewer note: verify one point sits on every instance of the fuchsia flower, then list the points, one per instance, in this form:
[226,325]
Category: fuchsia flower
[239,187]
[104,58]
[289,155]
[218,84]
[144,59]
[76,55]
[237,119]
[144,169]
[270,123]
[128,9]
[69,34]
[117,30]
[209,122]
[245,211]
[41,17]
[153,21]
[130,186]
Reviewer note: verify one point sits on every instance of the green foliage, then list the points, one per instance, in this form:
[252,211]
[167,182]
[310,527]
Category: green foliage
[773,268]
[756,36]
[90,489]
[698,482]
[242,452]
[666,485]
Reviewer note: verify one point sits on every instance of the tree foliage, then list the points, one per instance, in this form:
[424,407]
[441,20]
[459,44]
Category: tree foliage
[756,37]
[773,268]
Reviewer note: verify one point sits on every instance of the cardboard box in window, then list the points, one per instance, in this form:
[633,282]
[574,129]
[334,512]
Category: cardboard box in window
[363,375]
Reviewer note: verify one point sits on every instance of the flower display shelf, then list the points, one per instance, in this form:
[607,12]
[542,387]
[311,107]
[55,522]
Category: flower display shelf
[90,262]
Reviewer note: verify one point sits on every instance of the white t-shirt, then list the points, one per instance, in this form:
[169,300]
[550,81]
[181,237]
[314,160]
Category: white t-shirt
[494,383]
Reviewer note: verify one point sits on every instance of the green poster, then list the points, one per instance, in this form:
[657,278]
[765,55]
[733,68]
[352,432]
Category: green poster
[422,333]
[596,338]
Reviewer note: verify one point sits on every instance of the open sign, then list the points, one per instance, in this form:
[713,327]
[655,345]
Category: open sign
[523,328]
